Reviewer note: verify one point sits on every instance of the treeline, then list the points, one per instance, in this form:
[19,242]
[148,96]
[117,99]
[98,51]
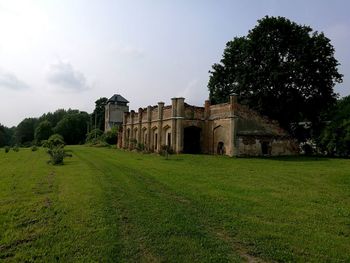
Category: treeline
[72,124]
[334,138]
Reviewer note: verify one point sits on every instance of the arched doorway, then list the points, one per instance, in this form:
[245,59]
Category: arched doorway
[265,148]
[192,139]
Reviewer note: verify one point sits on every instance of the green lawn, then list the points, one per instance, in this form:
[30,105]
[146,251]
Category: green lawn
[107,205]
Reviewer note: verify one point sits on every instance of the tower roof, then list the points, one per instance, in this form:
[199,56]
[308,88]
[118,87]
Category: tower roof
[118,98]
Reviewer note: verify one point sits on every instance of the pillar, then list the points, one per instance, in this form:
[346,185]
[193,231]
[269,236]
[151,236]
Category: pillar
[125,119]
[160,125]
[180,110]
[173,123]
[233,126]
[139,133]
[149,117]
[131,142]
[207,133]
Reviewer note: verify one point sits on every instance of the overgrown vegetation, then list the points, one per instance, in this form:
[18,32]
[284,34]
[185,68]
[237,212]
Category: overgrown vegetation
[99,139]
[166,150]
[335,136]
[7,149]
[15,148]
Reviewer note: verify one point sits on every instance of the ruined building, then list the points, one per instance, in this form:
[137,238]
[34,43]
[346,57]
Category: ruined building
[114,111]
[229,128]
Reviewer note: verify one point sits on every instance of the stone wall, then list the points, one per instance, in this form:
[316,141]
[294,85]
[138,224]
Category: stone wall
[229,128]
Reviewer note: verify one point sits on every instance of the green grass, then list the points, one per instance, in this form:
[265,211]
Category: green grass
[107,205]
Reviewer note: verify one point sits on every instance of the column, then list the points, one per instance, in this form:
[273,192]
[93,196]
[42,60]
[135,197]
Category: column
[131,141]
[179,124]
[149,119]
[233,126]
[160,126]
[173,123]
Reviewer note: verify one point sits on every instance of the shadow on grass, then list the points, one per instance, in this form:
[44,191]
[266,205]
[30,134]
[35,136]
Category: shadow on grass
[295,158]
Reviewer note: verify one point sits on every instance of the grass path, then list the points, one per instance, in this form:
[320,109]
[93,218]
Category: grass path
[107,205]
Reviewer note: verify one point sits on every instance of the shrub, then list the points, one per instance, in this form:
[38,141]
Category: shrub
[94,135]
[15,148]
[57,155]
[165,150]
[55,140]
[140,147]
[111,136]
[34,148]
[44,143]
[27,144]
[7,149]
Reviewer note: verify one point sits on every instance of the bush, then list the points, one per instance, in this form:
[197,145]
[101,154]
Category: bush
[55,141]
[57,155]
[165,150]
[44,143]
[27,144]
[94,135]
[34,148]
[111,136]
[15,148]
[7,149]
[140,147]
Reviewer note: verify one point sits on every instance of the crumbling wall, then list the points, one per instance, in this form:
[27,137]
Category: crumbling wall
[252,146]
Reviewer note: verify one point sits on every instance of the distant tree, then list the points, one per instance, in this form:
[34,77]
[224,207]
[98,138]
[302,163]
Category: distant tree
[73,127]
[99,113]
[54,117]
[9,135]
[25,130]
[43,131]
[335,137]
[3,139]
[281,69]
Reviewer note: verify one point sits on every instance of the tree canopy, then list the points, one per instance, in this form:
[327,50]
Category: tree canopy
[99,113]
[6,135]
[43,131]
[281,69]
[25,130]
[73,127]
[72,124]
[335,137]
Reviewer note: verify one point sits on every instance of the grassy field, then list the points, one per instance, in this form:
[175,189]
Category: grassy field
[108,205]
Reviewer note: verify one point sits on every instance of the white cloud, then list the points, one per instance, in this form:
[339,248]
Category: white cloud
[10,81]
[63,75]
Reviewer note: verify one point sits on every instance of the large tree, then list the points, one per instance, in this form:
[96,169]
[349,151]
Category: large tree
[43,131]
[283,70]
[6,135]
[98,116]
[25,130]
[73,127]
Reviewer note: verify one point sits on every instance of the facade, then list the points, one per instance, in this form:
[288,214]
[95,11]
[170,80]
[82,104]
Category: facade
[114,111]
[229,128]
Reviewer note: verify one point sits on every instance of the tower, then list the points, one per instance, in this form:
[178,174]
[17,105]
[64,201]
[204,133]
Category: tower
[114,111]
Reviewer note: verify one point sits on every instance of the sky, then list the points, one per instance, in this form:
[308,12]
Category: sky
[68,53]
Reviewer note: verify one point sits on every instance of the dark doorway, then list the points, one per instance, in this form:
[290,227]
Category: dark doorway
[169,139]
[220,148]
[265,148]
[192,138]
